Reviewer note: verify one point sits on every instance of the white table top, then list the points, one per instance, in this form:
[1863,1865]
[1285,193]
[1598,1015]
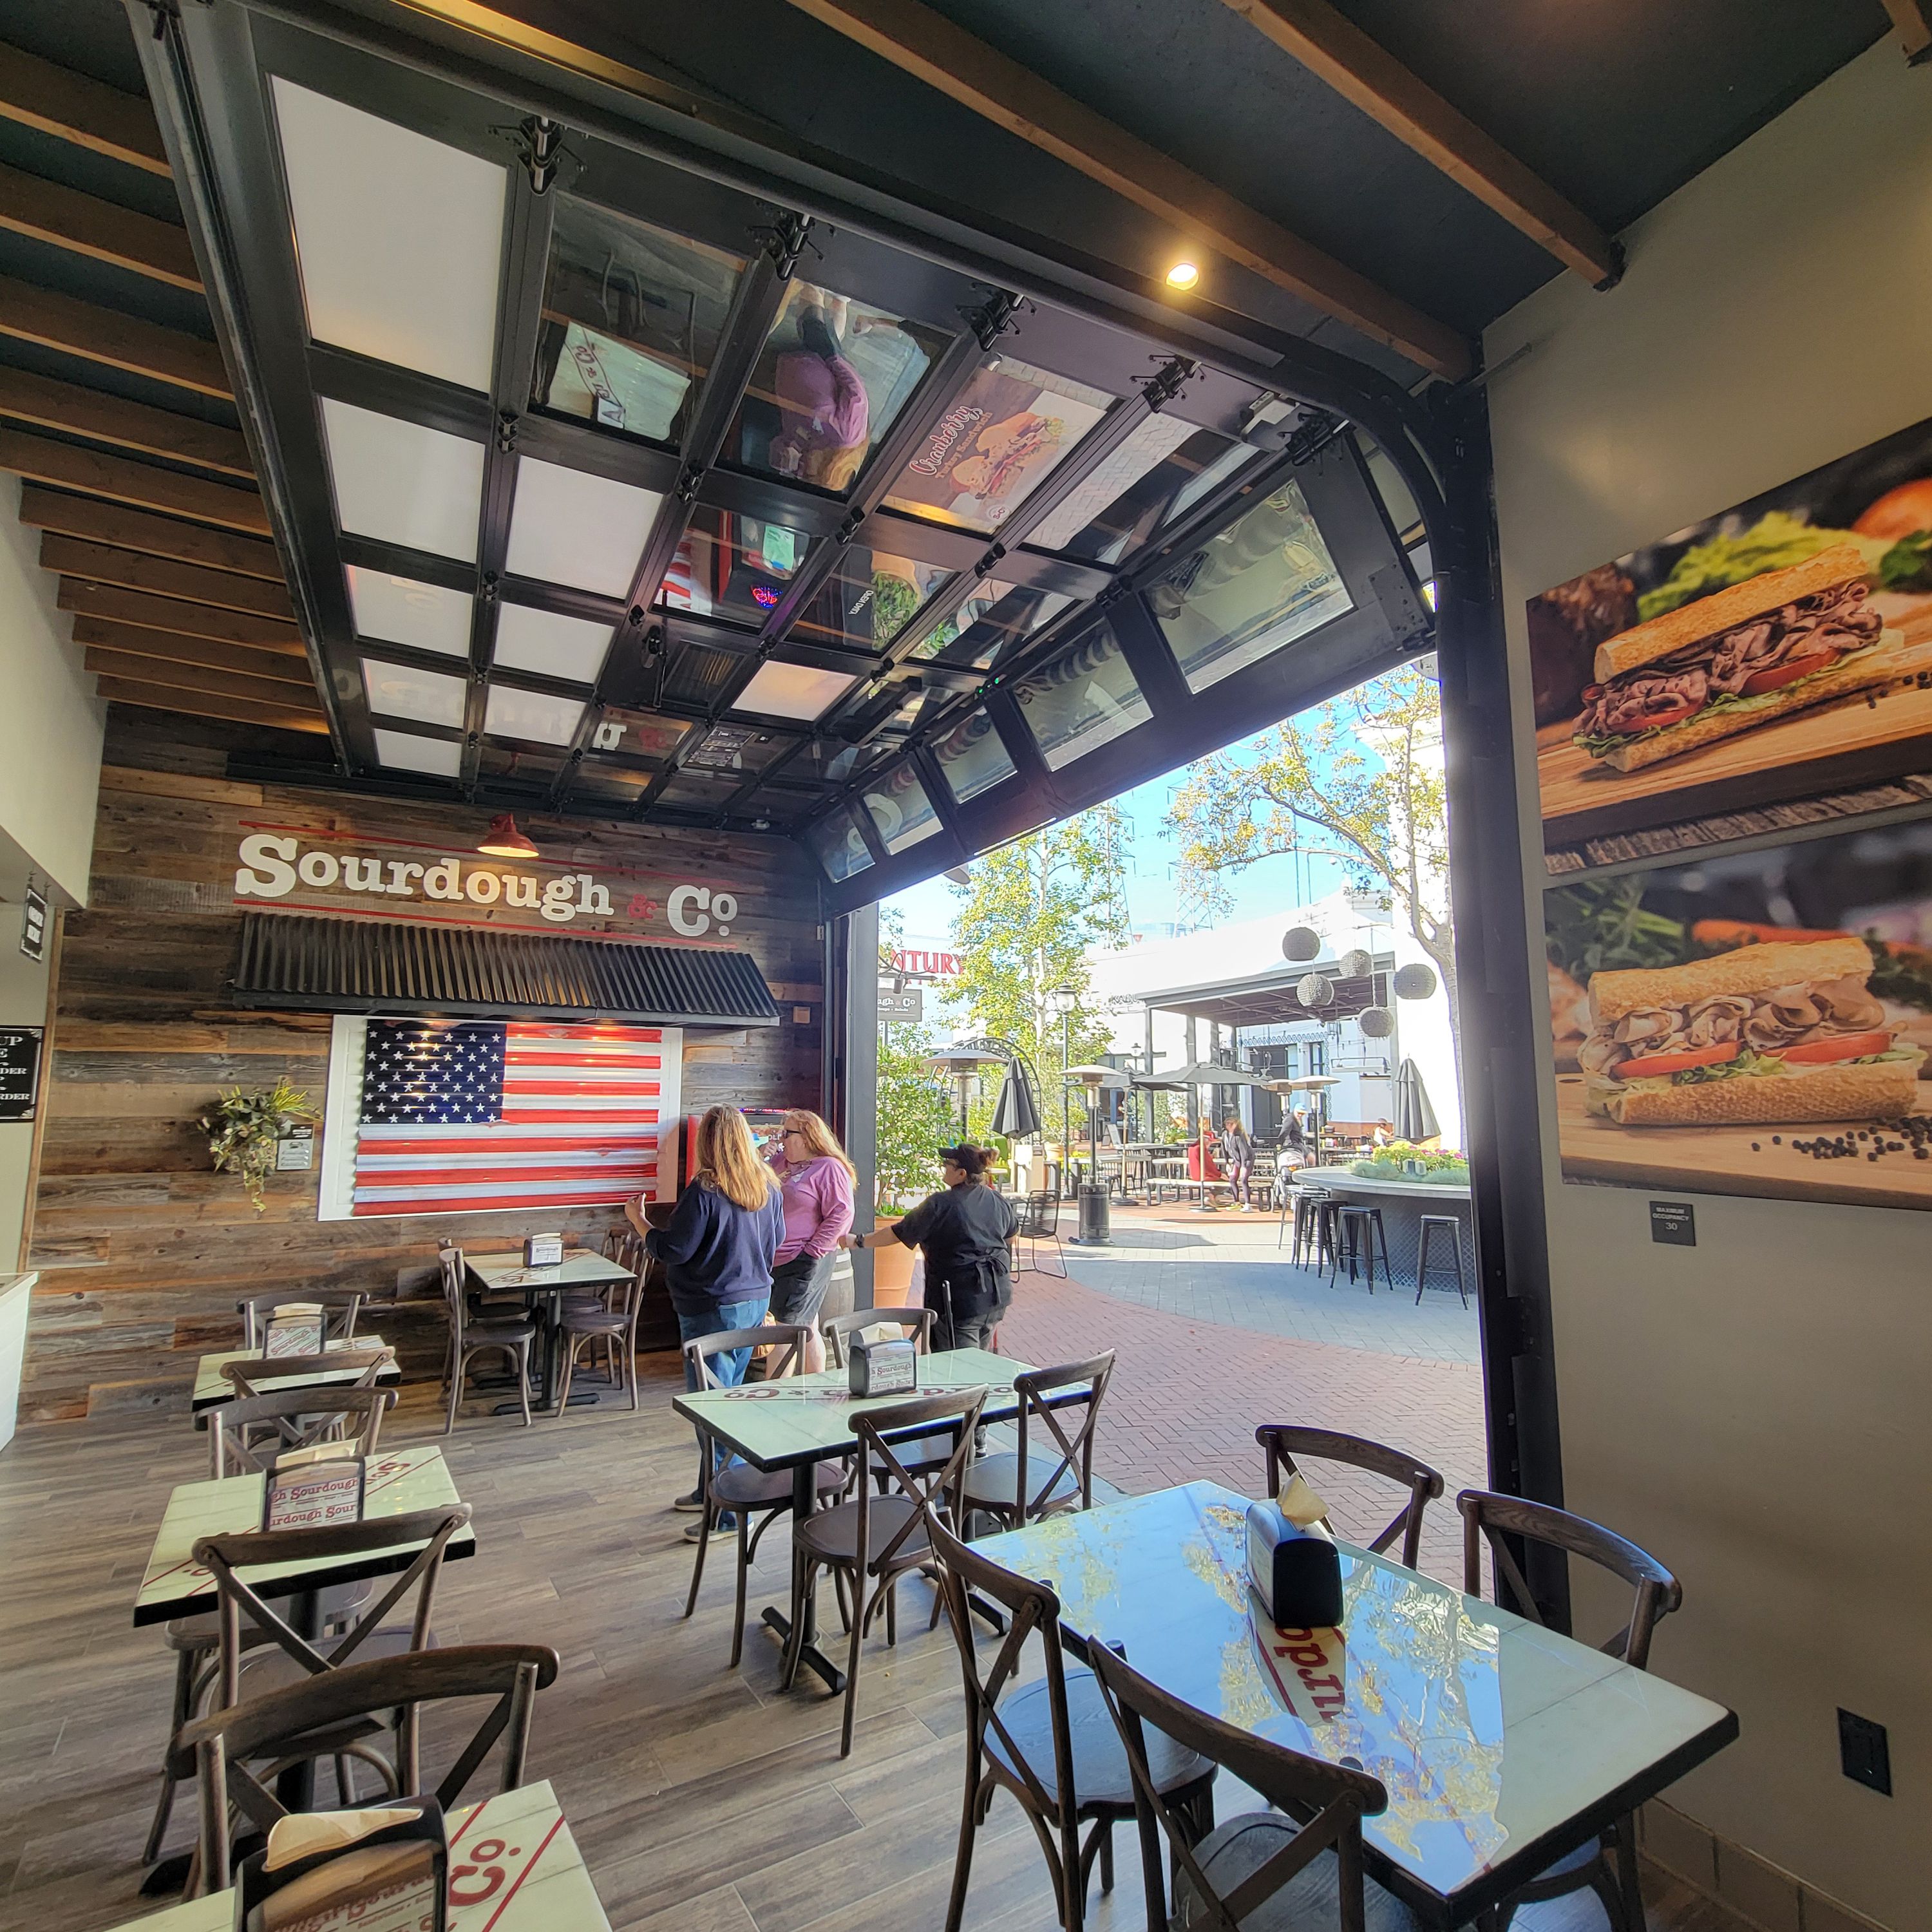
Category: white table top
[513,1867]
[577,1270]
[397,1482]
[211,1387]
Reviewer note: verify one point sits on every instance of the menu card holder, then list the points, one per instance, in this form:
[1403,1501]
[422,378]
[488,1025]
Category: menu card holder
[543,1251]
[882,1367]
[295,1328]
[314,1488]
[384,1870]
[1298,1574]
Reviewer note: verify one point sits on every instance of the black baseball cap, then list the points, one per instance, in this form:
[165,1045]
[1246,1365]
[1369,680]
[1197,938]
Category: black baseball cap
[968,1159]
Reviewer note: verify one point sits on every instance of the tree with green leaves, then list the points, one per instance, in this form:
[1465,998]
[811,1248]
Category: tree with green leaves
[917,1117]
[1358,779]
[1022,929]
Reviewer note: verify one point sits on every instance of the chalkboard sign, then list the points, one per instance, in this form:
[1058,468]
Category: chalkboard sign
[20,1071]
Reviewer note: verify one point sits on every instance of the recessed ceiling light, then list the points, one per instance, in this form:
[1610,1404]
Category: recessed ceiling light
[1183,275]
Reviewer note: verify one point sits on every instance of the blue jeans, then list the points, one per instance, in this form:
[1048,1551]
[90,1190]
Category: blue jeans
[727,1367]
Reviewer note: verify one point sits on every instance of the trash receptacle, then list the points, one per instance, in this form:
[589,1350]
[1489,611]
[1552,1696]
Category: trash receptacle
[1095,1231]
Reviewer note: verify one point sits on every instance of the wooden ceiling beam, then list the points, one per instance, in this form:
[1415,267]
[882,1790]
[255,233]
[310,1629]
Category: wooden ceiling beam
[166,613]
[74,107]
[178,675]
[85,225]
[48,404]
[128,640]
[205,704]
[97,520]
[925,44]
[1333,48]
[105,335]
[160,578]
[1912,21]
[122,480]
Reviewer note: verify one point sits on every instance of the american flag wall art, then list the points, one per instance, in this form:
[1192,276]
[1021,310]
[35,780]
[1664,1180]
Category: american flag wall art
[464,1116]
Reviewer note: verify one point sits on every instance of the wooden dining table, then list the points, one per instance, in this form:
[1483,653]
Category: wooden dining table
[580,1270]
[211,1388]
[514,1867]
[1503,1746]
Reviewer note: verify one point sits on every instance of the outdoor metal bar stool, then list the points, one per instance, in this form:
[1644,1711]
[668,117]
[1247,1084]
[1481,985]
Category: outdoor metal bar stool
[1316,1210]
[1436,1227]
[1362,1233]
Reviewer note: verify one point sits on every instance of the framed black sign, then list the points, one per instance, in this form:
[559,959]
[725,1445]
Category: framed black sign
[20,1071]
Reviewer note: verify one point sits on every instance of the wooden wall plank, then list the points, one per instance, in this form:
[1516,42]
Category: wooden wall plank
[137,608]
[161,536]
[106,336]
[121,480]
[63,217]
[106,563]
[74,107]
[48,404]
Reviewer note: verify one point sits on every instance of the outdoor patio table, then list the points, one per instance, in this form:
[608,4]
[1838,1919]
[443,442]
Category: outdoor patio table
[513,1867]
[578,1270]
[1502,1745]
[211,1388]
[803,1421]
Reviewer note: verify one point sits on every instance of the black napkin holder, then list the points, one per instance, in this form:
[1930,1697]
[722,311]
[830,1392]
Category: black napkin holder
[1298,1574]
[882,1368]
[398,1874]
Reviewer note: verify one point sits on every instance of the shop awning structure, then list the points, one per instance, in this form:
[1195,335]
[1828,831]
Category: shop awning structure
[1269,998]
[367,966]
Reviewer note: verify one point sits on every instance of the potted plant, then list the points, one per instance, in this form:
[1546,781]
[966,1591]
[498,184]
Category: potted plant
[242,1129]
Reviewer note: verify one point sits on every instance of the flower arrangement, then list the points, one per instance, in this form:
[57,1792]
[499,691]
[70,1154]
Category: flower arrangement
[242,1129]
[1401,1160]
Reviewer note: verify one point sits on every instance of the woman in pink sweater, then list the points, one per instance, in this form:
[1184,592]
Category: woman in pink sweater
[816,1180]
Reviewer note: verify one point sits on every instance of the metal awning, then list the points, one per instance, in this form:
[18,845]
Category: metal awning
[1269,999]
[366,966]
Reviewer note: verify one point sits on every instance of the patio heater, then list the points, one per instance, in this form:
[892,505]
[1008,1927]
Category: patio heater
[1065,999]
[963,1064]
[1095,1223]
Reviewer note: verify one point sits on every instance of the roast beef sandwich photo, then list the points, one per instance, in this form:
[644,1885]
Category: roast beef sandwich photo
[1768,1034]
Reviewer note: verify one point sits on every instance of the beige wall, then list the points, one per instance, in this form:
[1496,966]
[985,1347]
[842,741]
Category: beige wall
[1759,1411]
[23,1002]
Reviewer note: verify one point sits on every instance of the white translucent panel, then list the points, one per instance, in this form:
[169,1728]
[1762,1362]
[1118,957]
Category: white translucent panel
[841,846]
[792,691]
[400,691]
[400,610]
[402,484]
[567,526]
[404,752]
[400,238]
[534,715]
[543,641]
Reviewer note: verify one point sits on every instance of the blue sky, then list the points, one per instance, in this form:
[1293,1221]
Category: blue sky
[1152,856]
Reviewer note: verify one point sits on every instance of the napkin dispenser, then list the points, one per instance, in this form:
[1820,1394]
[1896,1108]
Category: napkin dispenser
[383,1870]
[1298,1574]
[543,1250]
[882,1367]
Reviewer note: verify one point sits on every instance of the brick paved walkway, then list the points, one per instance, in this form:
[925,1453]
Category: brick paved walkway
[1189,1390]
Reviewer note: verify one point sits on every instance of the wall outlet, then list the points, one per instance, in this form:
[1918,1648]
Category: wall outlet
[1863,1752]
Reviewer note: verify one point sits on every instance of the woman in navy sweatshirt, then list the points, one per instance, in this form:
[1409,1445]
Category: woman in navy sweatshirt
[718,1245]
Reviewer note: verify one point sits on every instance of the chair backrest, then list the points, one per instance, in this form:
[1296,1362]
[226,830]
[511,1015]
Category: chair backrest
[1284,1441]
[836,1328]
[784,1339]
[238,1602]
[1485,1514]
[247,1434]
[361,1369]
[340,1308]
[1039,1216]
[1329,1800]
[936,1490]
[213,1748]
[1075,1444]
[1033,1611]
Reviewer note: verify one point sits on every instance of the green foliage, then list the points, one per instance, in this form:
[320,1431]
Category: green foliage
[1363,774]
[1022,929]
[1441,1166]
[242,1129]
[917,1117]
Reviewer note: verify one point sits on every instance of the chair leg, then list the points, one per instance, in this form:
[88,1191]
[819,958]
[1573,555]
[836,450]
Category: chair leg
[697,1563]
[892,1613]
[1630,1884]
[185,1665]
[522,1357]
[853,1649]
[571,1343]
[456,1389]
[962,1859]
[803,1578]
[744,1565]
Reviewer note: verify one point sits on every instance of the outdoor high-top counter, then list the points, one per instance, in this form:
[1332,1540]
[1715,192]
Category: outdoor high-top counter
[1403,1204]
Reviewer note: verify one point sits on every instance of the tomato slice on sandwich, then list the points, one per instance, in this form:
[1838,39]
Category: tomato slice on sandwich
[1652,1065]
[1846,1046]
[1788,672]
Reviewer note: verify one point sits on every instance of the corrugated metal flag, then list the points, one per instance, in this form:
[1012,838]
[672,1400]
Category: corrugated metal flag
[463,1115]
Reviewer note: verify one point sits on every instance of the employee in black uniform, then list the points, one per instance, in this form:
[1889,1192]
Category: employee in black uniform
[965,1232]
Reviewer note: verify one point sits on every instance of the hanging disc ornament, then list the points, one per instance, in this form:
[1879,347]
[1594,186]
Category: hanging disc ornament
[1315,989]
[1356,963]
[1415,981]
[1301,942]
[1377,1022]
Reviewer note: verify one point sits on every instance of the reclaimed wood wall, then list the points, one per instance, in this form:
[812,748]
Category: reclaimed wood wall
[143,1249]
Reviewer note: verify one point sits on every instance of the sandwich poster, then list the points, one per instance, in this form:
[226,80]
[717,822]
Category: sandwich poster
[1780,650]
[1755,1023]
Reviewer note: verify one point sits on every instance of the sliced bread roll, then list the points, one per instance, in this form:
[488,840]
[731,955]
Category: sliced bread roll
[1748,969]
[1884,1090]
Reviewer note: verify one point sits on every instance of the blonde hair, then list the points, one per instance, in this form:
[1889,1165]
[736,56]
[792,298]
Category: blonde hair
[727,1161]
[818,1137]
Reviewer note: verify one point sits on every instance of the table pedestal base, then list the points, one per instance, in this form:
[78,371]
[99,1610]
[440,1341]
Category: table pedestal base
[811,1656]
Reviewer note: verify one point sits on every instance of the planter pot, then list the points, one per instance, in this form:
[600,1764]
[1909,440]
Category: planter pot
[892,1274]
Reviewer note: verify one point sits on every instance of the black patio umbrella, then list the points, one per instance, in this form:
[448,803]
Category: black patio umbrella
[1414,1118]
[1016,1112]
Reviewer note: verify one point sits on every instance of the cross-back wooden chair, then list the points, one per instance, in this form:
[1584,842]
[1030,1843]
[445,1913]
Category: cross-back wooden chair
[1021,1487]
[215,1749]
[614,1324]
[1285,1441]
[340,1308]
[1608,1867]
[838,1329]
[737,1489]
[246,1435]
[873,1541]
[1049,1742]
[359,1369]
[498,1331]
[1262,1871]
